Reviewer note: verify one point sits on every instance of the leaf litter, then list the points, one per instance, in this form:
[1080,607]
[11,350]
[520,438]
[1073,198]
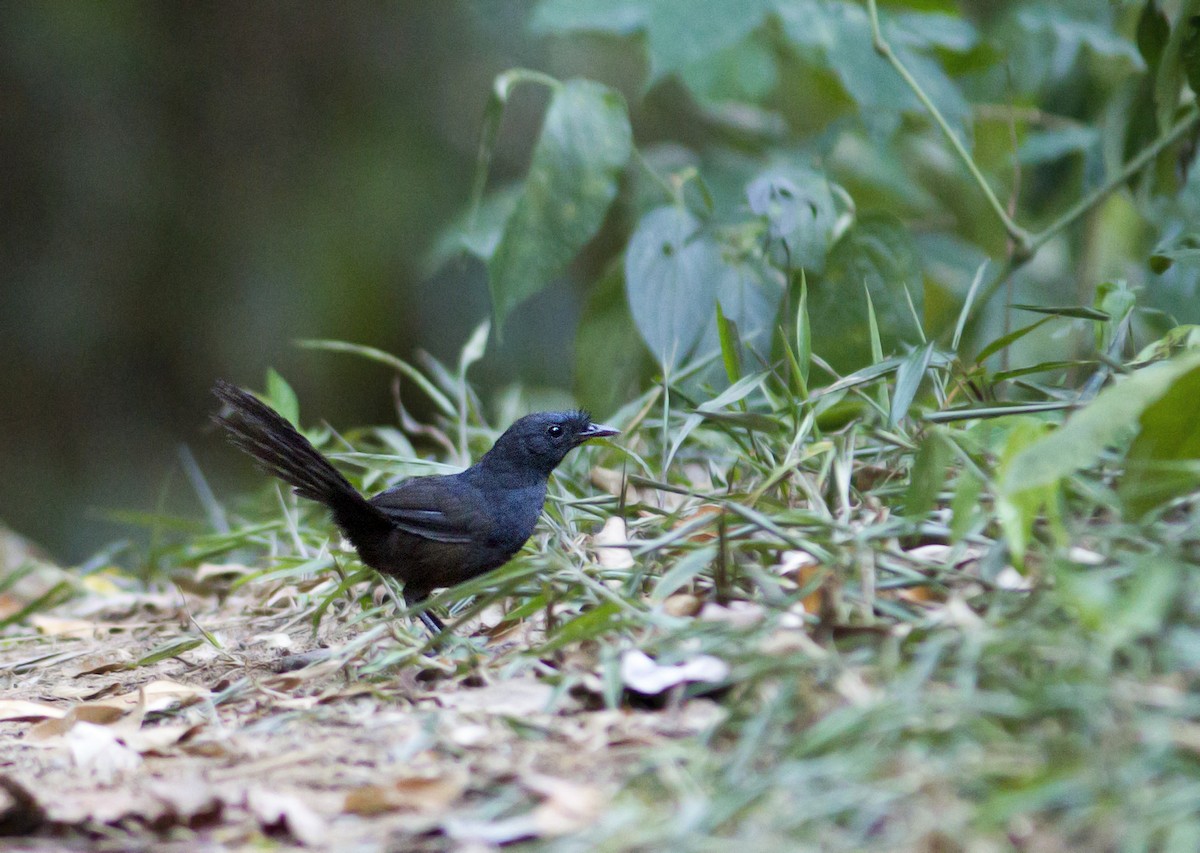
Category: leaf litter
[121,719]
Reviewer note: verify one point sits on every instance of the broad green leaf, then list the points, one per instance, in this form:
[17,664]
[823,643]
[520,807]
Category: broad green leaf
[837,36]
[1110,418]
[1164,460]
[671,276]
[744,72]
[283,398]
[1050,38]
[679,34]
[800,212]
[583,148]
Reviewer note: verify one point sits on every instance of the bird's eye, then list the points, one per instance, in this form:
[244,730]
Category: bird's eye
[554,430]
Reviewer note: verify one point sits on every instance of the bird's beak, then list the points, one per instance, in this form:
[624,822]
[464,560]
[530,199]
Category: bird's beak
[597,431]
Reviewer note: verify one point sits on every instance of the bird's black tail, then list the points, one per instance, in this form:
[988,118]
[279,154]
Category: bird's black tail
[262,432]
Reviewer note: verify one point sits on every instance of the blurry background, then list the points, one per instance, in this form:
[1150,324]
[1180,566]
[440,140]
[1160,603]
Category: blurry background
[190,187]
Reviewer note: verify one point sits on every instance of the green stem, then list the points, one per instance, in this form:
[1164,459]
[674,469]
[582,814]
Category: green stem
[1019,235]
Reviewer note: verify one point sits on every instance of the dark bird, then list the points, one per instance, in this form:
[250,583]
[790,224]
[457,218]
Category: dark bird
[429,532]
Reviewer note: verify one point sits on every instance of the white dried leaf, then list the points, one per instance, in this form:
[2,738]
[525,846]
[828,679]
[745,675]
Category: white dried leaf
[612,545]
[273,809]
[643,675]
[97,750]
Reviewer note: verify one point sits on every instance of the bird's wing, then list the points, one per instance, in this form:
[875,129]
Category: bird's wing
[440,509]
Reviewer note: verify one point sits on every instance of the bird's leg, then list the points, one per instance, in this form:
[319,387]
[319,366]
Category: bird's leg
[434,625]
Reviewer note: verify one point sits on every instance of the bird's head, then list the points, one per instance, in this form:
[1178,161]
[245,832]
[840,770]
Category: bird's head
[540,441]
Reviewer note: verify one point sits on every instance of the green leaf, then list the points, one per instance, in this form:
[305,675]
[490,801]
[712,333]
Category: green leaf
[1189,48]
[748,295]
[727,332]
[671,275]
[1007,340]
[837,36]
[964,506]
[475,232]
[1153,31]
[578,160]
[1164,460]
[1017,507]
[678,37]
[282,398]
[1169,79]
[1111,417]
[803,332]
[1177,340]
[800,212]
[908,380]
[589,625]
[928,475]
[1077,312]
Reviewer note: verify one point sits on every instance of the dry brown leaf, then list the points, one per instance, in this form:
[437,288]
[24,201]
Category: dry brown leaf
[802,568]
[158,739]
[706,534]
[568,806]
[91,713]
[21,710]
[159,696]
[682,604]
[416,793]
[612,545]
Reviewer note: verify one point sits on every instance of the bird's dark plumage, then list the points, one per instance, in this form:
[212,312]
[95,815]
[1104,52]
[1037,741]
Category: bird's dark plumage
[429,532]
